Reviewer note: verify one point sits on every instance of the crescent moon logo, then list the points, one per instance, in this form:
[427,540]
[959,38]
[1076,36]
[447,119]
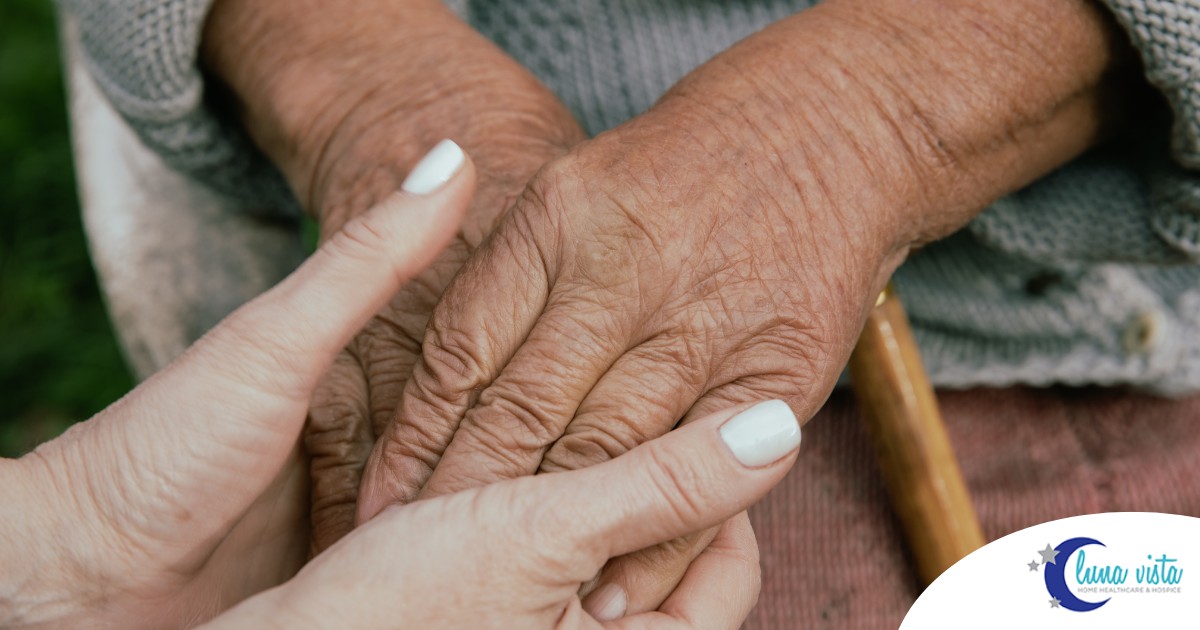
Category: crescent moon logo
[1056,583]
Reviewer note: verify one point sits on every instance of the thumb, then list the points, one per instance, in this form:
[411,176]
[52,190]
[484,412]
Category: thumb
[691,479]
[411,563]
[215,427]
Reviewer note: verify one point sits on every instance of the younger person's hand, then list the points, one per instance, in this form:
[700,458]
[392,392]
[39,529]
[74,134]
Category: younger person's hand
[191,493]
[513,554]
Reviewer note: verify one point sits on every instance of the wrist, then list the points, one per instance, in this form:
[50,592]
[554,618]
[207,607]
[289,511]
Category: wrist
[913,116]
[344,101]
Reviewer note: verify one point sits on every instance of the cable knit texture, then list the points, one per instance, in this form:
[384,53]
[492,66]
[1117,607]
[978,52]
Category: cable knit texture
[1090,275]
[143,55]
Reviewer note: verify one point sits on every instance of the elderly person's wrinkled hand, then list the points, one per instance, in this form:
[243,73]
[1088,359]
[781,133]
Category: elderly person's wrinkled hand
[726,245]
[344,101]
[187,496]
[343,105]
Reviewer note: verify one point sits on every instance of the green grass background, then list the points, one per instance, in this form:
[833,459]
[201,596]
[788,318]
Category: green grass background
[59,362]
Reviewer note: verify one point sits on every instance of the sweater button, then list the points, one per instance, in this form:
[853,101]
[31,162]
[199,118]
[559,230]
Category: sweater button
[1144,333]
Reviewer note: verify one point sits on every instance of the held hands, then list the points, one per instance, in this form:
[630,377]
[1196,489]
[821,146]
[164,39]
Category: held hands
[340,102]
[633,286]
[726,245]
[513,554]
[186,496]
[721,248]
[343,100]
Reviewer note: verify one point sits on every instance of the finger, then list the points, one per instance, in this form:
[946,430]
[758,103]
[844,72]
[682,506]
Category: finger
[536,535]
[641,397]
[649,576]
[686,481]
[477,326]
[529,405]
[358,397]
[390,344]
[214,428]
[718,591]
[285,340]
[338,439]
[750,388]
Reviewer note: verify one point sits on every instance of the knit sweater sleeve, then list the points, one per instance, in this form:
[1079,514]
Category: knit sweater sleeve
[1136,199]
[1167,35]
[143,56]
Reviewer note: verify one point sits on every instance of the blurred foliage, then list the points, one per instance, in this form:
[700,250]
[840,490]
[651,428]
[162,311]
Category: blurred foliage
[59,361]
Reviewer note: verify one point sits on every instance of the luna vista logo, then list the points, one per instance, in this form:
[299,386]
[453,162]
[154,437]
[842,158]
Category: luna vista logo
[1157,575]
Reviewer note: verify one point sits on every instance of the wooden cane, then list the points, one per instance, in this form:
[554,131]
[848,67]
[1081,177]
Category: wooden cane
[915,455]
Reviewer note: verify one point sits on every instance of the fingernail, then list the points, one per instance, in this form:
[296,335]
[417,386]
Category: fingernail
[762,434]
[435,169]
[607,603]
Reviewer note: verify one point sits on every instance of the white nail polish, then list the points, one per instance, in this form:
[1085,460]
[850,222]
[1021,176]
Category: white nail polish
[762,434]
[608,603]
[435,169]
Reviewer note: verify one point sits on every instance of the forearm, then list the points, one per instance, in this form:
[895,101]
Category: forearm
[920,112]
[307,80]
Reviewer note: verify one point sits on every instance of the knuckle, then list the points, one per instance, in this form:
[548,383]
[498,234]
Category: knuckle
[337,433]
[457,351]
[336,413]
[452,360]
[542,214]
[391,335]
[558,179]
[515,418]
[364,236]
[591,441]
[676,481]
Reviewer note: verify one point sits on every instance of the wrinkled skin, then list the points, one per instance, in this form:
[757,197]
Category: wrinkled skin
[361,392]
[344,112]
[638,305]
[616,299]
[345,105]
[722,247]
[512,554]
[725,246]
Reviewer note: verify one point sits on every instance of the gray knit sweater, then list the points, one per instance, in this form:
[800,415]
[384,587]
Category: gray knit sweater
[1090,275]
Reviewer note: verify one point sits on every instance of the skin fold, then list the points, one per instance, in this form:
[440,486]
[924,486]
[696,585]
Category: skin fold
[721,248]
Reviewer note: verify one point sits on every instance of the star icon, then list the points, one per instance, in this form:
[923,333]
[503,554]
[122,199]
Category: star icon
[1048,554]
[1033,565]
[1054,603]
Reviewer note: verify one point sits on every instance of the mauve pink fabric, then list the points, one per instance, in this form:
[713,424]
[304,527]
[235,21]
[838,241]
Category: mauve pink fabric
[833,555]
